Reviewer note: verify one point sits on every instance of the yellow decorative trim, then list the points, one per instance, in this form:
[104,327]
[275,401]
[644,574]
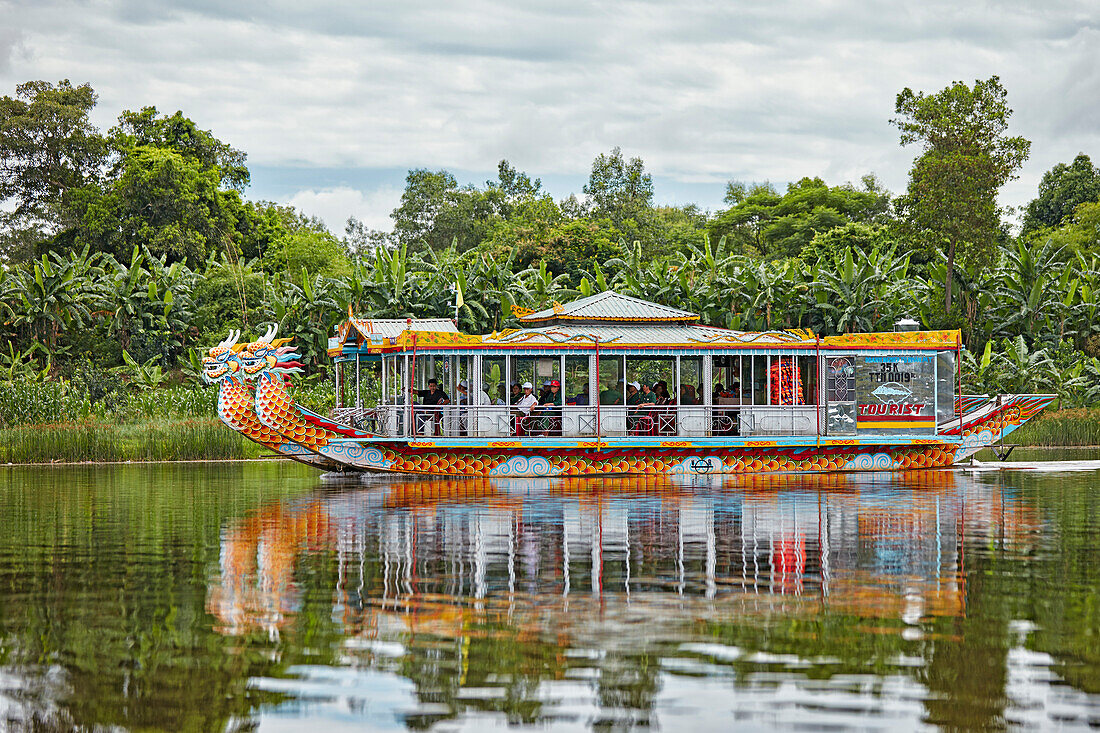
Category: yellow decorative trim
[842,442]
[936,339]
[505,444]
[421,444]
[520,312]
[675,444]
[761,443]
[614,319]
[799,335]
[558,308]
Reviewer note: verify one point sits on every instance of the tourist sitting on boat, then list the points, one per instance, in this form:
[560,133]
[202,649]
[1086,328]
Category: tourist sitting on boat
[612,395]
[665,410]
[580,399]
[521,408]
[549,410]
[687,395]
[638,421]
[431,399]
[517,393]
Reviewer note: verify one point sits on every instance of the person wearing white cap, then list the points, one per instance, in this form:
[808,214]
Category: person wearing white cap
[523,406]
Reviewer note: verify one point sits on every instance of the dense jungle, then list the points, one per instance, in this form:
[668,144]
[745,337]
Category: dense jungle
[124,253]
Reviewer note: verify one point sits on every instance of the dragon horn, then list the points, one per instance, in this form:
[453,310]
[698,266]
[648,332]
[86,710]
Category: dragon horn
[271,332]
[230,339]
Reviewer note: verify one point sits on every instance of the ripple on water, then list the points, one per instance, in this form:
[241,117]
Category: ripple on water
[228,595]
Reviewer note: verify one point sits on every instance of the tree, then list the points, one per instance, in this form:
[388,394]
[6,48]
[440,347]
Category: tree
[160,200]
[317,252]
[435,211]
[744,222]
[782,225]
[48,148]
[967,156]
[147,129]
[1063,189]
[172,188]
[619,190]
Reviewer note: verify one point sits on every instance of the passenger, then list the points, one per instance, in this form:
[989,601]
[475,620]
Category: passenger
[687,395]
[517,393]
[664,413]
[719,391]
[637,401]
[479,398]
[522,407]
[612,395]
[433,398]
[660,390]
[550,410]
[582,397]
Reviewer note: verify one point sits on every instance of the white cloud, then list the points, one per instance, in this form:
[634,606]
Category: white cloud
[700,90]
[334,205]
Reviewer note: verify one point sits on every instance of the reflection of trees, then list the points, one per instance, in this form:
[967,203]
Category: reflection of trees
[497,593]
[104,576]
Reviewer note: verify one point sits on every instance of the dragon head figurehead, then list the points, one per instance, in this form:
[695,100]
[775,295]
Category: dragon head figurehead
[219,363]
[269,356]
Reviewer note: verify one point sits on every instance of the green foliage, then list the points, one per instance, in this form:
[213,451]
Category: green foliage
[951,202]
[145,376]
[762,221]
[1062,190]
[97,441]
[620,191]
[48,148]
[315,251]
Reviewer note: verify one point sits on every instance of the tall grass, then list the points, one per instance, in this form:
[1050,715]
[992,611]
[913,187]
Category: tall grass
[1060,428]
[93,440]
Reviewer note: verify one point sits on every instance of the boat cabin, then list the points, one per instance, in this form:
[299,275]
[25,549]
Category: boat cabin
[613,366]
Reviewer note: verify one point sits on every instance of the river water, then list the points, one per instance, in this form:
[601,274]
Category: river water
[257,596]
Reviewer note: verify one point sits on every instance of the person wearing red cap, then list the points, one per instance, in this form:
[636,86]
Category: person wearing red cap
[550,409]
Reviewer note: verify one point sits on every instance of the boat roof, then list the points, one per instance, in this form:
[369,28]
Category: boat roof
[362,329]
[613,321]
[608,307]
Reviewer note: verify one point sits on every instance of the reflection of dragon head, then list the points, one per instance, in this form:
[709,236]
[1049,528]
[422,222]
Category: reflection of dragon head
[269,355]
[219,363]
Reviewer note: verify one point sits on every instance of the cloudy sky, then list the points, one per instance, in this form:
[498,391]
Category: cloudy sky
[334,103]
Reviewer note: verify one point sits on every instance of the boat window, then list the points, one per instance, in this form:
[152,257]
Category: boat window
[807,370]
[610,380]
[492,379]
[690,389]
[652,370]
[576,385]
[785,381]
[945,386]
[759,381]
[395,382]
[536,369]
[732,380]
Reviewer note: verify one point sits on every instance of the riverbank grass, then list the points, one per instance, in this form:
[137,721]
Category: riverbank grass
[1060,429]
[93,440]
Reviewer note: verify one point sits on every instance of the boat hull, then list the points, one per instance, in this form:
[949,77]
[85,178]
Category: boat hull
[987,424]
[430,459]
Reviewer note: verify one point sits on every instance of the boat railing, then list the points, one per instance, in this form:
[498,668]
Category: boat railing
[585,421]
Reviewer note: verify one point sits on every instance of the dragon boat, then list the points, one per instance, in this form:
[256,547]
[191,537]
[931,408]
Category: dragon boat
[723,401]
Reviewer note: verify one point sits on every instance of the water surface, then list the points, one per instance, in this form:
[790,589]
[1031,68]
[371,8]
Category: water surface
[258,597]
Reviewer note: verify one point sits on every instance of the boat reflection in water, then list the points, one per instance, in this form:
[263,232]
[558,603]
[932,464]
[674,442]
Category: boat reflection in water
[610,600]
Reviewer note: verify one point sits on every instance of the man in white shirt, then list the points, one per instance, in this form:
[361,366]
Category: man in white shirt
[523,407]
